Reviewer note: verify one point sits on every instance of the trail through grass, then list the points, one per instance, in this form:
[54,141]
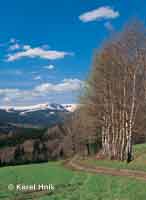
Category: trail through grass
[72,185]
[139,162]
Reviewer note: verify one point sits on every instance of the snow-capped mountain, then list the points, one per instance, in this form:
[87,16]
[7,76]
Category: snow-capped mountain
[40,114]
[52,106]
[70,107]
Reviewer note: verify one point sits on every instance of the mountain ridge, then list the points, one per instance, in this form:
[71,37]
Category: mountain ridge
[51,106]
[43,115]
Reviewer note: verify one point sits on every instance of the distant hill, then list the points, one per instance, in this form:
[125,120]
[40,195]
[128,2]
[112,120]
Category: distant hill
[19,145]
[42,115]
[34,133]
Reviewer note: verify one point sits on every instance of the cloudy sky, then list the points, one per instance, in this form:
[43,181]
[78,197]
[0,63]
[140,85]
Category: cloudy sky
[46,47]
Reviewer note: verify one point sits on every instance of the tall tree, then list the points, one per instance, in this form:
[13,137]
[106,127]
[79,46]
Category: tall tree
[115,95]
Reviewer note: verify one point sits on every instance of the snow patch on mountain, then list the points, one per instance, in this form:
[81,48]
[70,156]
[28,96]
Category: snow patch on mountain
[70,107]
[52,107]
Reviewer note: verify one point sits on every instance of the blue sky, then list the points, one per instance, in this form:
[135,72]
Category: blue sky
[46,47]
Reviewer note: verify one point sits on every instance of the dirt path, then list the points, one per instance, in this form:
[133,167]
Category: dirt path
[76,165]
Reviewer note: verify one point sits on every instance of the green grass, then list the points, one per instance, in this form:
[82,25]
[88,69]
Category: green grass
[45,173]
[71,185]
[100,187]
[139,162]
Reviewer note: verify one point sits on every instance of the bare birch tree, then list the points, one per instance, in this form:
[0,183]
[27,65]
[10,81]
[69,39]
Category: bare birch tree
[115,93]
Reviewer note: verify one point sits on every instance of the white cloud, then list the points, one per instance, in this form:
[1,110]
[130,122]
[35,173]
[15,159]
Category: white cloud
[100,13]
[65,85]
[49,67]
[42,90]
[37,52]
[12,44]
[6,100]
[9,93]
[108,26]
[14,47]
[26,47]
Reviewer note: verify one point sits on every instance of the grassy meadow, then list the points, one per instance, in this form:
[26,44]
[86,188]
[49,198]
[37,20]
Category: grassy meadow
[72,185]
[139,162]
